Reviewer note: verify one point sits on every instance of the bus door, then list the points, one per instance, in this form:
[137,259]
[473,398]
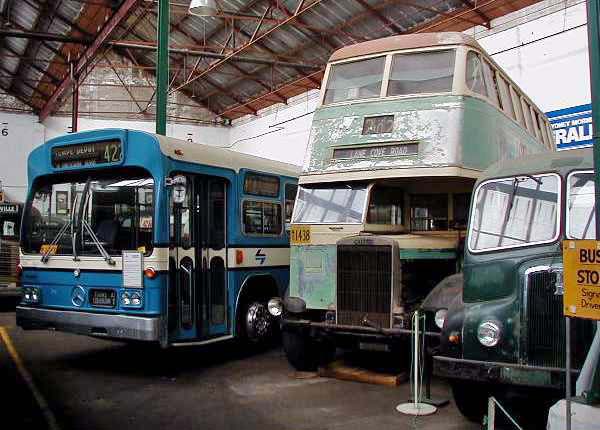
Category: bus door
[211,256]
[198,303]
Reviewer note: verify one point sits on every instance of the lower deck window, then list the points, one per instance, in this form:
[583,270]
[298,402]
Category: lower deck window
[262,217]
[429,212]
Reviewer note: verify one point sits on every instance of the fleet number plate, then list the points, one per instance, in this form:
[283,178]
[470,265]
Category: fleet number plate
[300,234]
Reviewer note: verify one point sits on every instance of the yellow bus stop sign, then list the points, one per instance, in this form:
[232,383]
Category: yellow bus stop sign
[581,259]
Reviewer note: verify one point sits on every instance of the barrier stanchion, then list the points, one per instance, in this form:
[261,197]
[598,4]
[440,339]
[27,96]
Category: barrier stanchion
[416,407]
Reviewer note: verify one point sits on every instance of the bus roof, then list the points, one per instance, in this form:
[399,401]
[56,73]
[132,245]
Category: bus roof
[222,157]
[405,41]
[561,162]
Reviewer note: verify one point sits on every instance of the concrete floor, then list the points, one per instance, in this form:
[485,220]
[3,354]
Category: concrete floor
[96,384]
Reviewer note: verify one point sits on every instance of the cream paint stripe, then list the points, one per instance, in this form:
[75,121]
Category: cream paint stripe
[39,398]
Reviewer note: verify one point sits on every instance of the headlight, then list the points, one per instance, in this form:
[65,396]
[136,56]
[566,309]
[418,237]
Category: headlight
[275,306]
[488,333]
[125,299]
[31,295]
[440,317]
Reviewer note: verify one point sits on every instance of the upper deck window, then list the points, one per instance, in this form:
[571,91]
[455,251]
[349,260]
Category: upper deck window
[475,81]
[515,212]
[422,72]
[261,185]
[331,204]
[356,80]
[581,216]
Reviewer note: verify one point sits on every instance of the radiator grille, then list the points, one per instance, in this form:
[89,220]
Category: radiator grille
[9,258]
[364,282]
[545,321]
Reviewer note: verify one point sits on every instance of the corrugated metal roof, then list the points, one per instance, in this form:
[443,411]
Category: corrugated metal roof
[264,72]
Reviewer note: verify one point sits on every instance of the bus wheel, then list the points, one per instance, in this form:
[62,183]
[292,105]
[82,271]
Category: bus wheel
[304,353]
[258,322]
[471,399]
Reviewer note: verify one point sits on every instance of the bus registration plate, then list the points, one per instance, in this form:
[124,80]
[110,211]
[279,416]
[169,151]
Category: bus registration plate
[103,298]
[300,234]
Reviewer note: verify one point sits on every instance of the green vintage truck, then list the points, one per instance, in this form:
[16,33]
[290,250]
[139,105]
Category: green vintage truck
[404,128]
[505,334]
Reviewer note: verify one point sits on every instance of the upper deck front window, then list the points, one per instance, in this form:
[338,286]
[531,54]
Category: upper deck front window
[117,206]
[422,72]
[581,216]
[515,212]
[356,80]
[331,204]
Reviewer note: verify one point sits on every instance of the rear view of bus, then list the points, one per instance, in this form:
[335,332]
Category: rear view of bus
[405,126]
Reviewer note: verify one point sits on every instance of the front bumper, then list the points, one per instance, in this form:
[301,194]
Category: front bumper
[332,330]
[499,373]
[91,324]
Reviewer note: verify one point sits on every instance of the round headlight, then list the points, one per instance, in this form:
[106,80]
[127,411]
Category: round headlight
[440,317]
[275,307]
[488,333]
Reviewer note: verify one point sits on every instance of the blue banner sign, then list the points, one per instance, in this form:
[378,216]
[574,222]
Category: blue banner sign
[572,126]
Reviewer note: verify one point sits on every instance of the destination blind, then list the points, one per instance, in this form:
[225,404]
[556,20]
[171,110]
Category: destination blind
[86,154]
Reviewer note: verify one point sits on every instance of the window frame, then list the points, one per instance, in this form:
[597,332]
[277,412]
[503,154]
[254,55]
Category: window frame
[262,201]
[285,200]
[508,102]
[557,233]
[568,195]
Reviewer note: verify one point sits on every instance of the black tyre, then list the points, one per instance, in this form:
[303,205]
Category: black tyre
[304,353]
[471,399]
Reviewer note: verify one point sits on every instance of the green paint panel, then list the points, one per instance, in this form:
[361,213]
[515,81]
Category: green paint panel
[313,274]
[427,254]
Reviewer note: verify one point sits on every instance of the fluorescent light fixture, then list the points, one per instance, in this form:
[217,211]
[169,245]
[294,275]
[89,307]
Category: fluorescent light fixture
[203,8]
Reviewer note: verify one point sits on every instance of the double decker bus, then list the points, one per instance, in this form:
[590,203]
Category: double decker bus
[405,126]
[505,335]
[131,235]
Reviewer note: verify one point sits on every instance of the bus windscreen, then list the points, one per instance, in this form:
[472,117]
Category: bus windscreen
[119,210]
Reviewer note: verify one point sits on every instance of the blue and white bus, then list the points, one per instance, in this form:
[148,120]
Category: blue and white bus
[131,235]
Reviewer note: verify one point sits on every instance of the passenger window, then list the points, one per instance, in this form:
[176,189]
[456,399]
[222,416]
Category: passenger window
[355,80]
[536,127]
[261,217]
[385,206]
[490,83]
[516,102]
[429,212]
[183,213]
[474,76]
[421,72]
[261,185]
[527,115]
[290,198]
[504,90]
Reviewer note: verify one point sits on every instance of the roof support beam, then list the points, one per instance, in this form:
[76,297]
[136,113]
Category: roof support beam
[381,17]
[42,36]
[84,60]
[486,20]
[300,9]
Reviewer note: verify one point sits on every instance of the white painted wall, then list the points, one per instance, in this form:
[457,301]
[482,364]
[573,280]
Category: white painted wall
[542,47]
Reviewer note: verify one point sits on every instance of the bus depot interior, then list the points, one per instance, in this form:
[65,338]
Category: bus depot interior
[299,214]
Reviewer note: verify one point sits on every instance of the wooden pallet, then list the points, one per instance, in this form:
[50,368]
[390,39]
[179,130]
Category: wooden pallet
[339,370]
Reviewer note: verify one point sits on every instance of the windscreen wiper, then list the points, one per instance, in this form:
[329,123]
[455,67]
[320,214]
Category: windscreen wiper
[516,181]
[59,235]
[84,225]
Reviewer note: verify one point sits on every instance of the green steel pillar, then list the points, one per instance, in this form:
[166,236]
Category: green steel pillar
[162,66]
[593,25]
